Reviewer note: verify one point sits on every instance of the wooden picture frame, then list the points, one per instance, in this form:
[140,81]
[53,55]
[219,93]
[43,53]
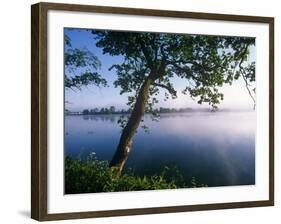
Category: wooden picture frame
[39,110]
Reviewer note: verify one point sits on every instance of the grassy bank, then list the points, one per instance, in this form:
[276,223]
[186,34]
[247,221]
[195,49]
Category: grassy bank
[92,176]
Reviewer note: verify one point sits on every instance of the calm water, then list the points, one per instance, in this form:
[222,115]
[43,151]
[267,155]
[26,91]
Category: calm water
[216,148]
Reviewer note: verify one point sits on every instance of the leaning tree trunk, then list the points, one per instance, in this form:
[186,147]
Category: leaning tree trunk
[124,147]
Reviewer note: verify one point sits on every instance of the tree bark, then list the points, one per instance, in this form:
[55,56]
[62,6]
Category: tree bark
[125,143]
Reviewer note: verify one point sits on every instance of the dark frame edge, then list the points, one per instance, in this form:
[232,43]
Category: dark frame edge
[271,111]
[154,12]
[35,191]
[159,210]
[39,111]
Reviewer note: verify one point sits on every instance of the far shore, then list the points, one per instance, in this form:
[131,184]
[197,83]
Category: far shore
[162,113]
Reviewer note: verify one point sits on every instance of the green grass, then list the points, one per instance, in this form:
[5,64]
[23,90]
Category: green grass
[92,176]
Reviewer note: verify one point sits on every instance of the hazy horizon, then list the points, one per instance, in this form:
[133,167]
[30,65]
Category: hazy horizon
[193,109]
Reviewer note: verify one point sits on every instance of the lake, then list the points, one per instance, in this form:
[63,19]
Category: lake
[217,148]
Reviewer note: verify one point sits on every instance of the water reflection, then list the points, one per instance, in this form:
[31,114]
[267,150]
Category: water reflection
[216,148]
[105,118]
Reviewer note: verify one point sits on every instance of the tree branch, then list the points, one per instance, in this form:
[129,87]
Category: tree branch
[185,71]
[242,73]
[170,89]
[146,54]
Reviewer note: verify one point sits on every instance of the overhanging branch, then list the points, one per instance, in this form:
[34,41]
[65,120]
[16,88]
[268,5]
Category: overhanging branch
[170,89]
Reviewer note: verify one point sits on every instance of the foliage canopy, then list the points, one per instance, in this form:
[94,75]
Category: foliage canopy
[205,62]
[81,67]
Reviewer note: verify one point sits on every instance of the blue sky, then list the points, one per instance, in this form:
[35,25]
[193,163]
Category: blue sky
[93,96]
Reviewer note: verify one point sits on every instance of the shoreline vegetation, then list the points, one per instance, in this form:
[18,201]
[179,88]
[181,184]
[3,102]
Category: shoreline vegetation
[93,176]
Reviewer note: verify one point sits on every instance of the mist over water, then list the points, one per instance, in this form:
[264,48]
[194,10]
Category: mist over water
[218,149]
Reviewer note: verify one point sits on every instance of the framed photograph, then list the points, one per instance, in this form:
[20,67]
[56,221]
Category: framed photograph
[139,111]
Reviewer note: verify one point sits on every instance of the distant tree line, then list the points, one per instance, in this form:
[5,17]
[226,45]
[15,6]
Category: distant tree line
[113,110]
[105,110]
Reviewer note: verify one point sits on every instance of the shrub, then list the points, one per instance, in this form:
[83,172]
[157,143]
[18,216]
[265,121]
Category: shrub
[92,175]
